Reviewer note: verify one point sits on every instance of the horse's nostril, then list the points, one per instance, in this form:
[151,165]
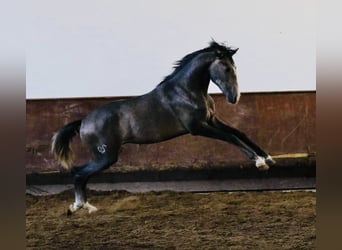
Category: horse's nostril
[232,99]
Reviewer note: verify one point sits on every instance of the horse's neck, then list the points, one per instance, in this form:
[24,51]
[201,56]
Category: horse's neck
[195,76]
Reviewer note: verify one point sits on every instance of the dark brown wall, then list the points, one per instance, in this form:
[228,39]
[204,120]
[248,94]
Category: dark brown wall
[279,122]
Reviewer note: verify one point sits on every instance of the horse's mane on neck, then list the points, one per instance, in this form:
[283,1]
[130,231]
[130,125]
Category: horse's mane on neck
[213,46]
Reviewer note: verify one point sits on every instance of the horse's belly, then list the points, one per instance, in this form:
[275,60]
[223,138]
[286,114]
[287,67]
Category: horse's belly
[154,129]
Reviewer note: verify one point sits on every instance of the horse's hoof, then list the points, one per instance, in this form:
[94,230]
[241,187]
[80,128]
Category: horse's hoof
[270,160]
[263,167]
[72,209]
[91,208]
[261,164]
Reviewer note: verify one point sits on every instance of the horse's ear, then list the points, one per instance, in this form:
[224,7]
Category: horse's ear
[233,51]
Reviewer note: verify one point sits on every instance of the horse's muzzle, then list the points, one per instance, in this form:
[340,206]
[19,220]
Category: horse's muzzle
[233,96]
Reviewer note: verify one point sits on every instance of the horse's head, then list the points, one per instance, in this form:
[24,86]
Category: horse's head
[223,72]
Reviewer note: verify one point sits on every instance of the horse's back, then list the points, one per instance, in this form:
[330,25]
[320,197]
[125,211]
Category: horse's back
[149,119]
[143,119]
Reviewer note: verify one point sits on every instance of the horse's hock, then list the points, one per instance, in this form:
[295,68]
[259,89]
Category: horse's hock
[283,123]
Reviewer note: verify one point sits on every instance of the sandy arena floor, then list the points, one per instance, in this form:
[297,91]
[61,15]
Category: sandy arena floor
[174,220]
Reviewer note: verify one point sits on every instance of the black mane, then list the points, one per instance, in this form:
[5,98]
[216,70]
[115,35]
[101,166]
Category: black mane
[213,46]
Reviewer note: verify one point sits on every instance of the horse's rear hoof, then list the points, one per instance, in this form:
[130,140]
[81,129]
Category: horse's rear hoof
[72,209]
[90,207]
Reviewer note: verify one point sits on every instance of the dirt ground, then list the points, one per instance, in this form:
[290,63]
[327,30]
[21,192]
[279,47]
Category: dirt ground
[173,220]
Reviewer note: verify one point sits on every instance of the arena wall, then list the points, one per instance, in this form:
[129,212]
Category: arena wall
[283,123]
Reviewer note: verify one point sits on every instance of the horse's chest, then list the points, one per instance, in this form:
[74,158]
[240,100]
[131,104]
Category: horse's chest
[198,108]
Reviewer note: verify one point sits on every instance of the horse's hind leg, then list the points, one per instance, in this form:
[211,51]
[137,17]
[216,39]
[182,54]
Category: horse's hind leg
[81,176]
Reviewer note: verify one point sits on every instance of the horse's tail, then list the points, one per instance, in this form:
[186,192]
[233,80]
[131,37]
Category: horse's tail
[61,140]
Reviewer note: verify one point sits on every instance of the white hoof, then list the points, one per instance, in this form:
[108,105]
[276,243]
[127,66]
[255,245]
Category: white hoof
[259,161]
[90,207]
[73,208]
[261,164]
[270,160]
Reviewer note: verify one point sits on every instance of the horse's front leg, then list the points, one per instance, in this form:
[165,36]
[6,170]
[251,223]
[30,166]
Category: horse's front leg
[207,130]
[217,123]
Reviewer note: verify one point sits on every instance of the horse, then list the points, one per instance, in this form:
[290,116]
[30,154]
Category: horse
[178,105]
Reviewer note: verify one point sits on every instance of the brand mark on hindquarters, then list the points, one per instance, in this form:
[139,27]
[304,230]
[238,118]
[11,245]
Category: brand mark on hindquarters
[102,148]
